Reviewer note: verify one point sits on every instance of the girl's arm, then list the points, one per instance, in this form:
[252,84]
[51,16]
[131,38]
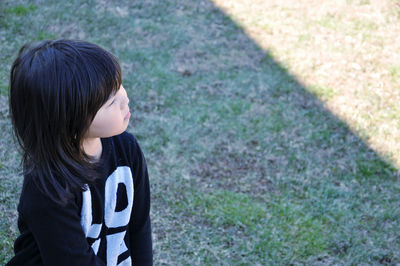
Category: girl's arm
[56,230]
[140,226]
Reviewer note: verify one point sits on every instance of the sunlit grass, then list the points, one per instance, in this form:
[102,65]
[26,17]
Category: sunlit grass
[350,47]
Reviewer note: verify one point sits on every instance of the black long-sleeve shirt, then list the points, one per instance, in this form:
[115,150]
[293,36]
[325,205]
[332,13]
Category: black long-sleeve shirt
[108,224]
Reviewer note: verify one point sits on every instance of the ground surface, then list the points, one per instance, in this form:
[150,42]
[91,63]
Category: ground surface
[271,129]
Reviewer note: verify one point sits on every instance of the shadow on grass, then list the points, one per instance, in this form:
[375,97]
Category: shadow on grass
[263,159]
[247,166]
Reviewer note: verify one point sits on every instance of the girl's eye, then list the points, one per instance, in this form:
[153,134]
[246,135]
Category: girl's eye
[111,102]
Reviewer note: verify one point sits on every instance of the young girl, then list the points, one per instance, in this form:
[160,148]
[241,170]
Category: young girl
[85,198]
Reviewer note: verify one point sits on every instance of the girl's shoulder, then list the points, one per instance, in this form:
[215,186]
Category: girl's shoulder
[34,202]
[123,149]
[126,143]
[126,138]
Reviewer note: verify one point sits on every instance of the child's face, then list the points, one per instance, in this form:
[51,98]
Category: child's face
[112,118]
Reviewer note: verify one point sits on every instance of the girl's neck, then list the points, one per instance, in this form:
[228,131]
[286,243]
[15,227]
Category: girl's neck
[93,148]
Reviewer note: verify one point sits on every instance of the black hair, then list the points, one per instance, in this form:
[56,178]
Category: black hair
[56,89]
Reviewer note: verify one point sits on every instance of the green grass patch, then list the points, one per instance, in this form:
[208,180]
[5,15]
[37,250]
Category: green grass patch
[20,10]
[395,73]
[45,36]
[324,93]
[6,244]
[3,89]
[225,208]
[273,226]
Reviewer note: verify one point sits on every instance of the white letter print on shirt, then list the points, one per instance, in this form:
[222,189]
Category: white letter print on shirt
[112,218]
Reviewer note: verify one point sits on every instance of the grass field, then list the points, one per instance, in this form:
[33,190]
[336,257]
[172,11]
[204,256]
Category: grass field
[271,128]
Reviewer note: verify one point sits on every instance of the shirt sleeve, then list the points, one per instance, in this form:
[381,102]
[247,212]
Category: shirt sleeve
[56,230]
[140,225]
